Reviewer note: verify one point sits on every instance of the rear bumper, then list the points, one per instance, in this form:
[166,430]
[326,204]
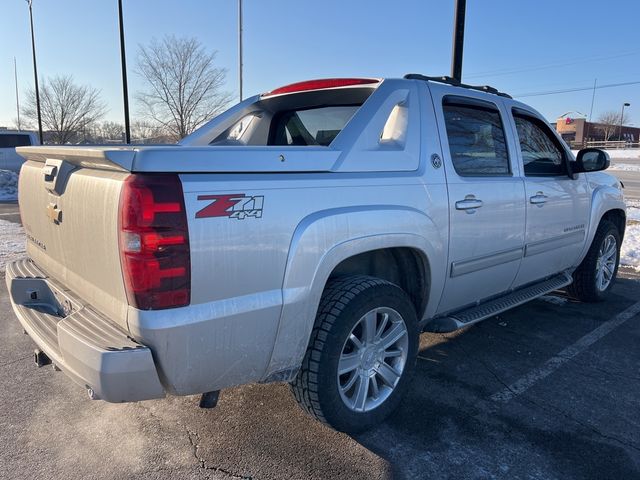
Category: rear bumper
[90,349]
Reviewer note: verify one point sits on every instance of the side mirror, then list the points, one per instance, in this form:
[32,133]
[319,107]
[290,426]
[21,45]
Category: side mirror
[591,160]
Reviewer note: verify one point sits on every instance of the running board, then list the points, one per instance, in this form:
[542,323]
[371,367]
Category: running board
[474,314]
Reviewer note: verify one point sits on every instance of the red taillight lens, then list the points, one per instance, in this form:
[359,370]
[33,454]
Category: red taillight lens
[320,84]
[154,242]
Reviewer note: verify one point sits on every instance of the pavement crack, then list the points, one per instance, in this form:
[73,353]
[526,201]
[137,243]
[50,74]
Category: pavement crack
[194,440]
[552,409]
[487,368]
[15,360]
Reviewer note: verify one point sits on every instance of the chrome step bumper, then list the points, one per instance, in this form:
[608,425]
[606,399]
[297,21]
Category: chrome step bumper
[89,348]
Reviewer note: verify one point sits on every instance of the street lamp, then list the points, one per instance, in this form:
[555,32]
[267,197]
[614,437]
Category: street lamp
[35,73]
[625,104]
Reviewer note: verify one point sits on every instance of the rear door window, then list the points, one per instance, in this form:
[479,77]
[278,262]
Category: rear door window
[312,126]
[14,140]
[476,140]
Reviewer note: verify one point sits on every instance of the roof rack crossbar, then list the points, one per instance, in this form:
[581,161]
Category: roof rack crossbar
[456,83]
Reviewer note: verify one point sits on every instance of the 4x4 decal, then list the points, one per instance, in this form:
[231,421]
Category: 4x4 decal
[235,205]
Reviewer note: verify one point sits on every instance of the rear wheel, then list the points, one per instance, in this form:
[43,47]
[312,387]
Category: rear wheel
[361,354]
[595,276]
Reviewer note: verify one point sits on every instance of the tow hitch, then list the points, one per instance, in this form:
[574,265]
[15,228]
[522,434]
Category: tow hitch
[41,358]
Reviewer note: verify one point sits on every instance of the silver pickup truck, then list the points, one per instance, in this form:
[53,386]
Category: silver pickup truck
[307,235]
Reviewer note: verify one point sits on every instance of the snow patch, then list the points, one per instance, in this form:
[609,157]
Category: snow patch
[624,167]
[8,185]
[630,251]
[12,242]
[620,153]
[624,153]
[633,214]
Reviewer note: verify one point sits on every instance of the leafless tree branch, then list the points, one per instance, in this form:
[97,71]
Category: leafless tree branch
[184,87]
[66,108]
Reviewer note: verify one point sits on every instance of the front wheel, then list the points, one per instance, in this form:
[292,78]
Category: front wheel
[595,276]
[361,355]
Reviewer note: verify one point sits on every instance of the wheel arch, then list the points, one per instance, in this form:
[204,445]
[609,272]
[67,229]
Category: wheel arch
[607,202]
[406,267]
[335,241]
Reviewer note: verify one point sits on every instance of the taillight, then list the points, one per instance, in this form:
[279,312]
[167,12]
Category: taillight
[154,242]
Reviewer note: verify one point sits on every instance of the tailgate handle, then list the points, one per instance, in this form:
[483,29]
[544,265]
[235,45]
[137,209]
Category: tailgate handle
[49,172]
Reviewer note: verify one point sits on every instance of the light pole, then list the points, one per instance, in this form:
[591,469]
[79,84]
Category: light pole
[35,73]
[125,89]
[458,40]
[240,46]
[625,104]
[15,74]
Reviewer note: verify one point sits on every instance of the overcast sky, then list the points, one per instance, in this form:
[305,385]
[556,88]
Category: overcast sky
[523,46]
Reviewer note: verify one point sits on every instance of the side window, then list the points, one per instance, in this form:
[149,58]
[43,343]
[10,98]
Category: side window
[476,140]
[541,154]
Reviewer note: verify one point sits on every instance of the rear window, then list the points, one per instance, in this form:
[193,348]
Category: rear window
[312,126]
[14,140]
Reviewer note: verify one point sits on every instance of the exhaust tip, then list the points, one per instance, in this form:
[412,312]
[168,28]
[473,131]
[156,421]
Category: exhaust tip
[41,358]
[92,394]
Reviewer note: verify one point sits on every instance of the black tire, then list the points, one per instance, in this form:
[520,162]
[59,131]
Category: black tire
[344,302]
[584,286]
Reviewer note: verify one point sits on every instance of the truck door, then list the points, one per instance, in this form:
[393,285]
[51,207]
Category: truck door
[486,198]
[557,205]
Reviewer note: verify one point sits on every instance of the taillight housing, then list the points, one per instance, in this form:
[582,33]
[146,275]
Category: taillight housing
[154,242]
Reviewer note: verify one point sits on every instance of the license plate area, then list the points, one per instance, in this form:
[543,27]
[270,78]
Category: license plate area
[44,296]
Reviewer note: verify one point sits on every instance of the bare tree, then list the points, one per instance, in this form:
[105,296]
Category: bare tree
[111,130]
[183,84]
[143,131]
[67,108]
[609,122]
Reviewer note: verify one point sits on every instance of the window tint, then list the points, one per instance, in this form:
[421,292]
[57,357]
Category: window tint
[314,126]
[541,153]
[14,140]
[476,140]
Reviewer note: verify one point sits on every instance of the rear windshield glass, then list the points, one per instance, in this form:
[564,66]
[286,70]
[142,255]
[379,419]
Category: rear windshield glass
[312,126]
[14,140]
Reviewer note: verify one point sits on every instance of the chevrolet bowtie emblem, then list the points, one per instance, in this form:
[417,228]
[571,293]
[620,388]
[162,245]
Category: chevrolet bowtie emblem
[54,213]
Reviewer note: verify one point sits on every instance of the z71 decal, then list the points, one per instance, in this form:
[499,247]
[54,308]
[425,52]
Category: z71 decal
[235,205]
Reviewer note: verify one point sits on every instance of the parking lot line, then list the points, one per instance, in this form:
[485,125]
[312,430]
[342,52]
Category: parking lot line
[555,362]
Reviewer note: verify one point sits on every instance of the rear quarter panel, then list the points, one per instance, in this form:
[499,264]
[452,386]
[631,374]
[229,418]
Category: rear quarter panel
[235,328]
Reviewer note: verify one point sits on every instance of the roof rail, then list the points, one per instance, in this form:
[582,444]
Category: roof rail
[455,83]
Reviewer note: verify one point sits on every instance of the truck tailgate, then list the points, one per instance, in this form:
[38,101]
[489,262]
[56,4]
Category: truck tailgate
[70,215]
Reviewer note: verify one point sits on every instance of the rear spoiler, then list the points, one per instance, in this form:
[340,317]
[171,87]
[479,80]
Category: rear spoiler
[101,158]
[184,159]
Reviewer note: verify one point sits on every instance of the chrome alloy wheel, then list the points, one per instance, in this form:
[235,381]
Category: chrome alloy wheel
[372,360]
[606,263]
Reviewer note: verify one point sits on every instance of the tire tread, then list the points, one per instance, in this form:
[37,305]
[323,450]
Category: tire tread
[335,298]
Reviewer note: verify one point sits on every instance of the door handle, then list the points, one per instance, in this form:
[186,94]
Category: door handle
[538,199]
[470,203]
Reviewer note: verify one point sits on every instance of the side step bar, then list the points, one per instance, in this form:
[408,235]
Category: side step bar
[474,314]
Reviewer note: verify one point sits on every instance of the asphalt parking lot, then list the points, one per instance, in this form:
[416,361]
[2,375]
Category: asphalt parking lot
[548,390]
